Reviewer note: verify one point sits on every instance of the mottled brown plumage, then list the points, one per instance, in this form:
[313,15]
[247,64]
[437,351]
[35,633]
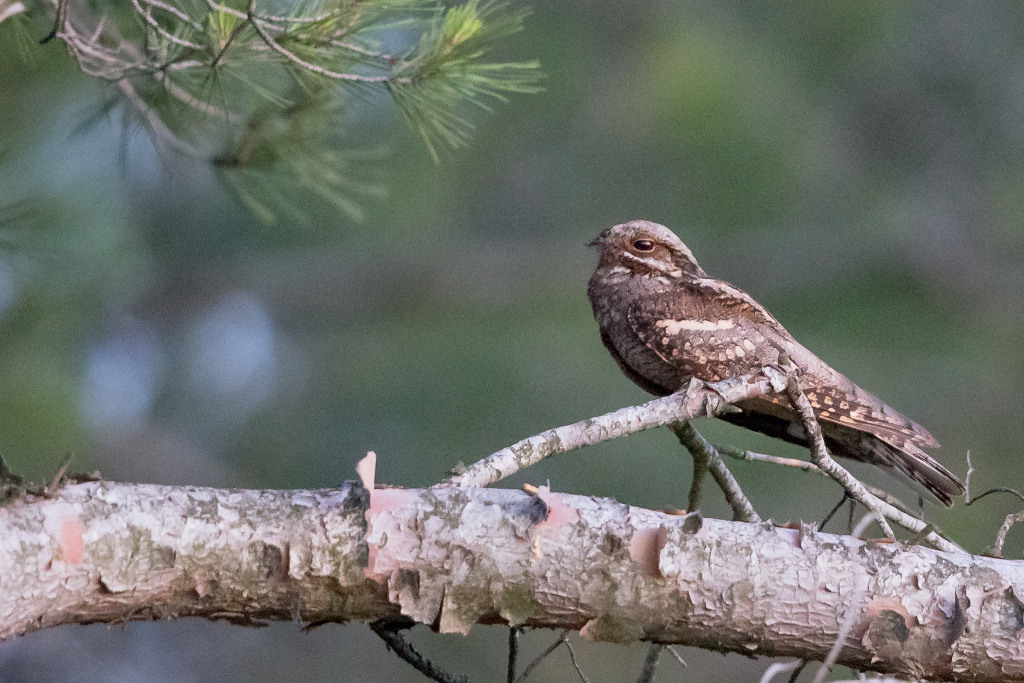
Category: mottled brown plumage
[664,321]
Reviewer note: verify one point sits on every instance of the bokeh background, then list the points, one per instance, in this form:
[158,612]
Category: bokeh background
[857,167]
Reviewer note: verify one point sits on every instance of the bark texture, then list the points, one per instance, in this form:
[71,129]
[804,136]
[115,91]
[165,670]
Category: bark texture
[453,557]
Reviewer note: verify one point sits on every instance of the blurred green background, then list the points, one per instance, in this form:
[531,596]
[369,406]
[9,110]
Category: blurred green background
[857,167]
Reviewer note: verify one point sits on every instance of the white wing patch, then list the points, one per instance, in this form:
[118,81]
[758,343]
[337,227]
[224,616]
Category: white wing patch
[676,326]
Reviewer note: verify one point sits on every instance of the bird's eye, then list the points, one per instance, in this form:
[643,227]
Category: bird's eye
[643,245]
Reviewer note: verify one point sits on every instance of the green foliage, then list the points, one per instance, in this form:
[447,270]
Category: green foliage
[263,91]
[445,70]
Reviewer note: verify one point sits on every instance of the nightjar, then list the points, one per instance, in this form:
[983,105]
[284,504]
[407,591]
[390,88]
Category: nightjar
[664,320]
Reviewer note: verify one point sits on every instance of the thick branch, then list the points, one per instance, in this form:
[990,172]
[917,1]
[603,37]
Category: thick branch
[453,557]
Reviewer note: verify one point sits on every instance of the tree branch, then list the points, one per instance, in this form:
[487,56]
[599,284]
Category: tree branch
[820,457]
[707,460]
[454,557]
[697,399]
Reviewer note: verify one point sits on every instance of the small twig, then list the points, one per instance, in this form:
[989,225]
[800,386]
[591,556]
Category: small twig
[700,470]
[999,489]
[575,664]
[799,670]
[820,455]
[807,466]
[542,656]
[309,66]
[650,663]
[742,510]
[778,668]
[742,454]
[697,399]
[833,511]
[857,490]
[171,9]
[1011,519]
[675,654]
[401,647]
[147,16]
[513,652]
[227,43]
[58,22]
[60,478]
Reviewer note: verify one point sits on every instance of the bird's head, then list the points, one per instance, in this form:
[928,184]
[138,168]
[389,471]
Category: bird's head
[645,248]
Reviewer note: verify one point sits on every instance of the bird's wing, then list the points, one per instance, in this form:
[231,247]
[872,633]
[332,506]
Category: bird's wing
[711,330]
[737,335]
[707,329]
[866,443]
[836,399]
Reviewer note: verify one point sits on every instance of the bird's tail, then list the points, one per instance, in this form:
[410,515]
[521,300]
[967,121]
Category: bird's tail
[905,460]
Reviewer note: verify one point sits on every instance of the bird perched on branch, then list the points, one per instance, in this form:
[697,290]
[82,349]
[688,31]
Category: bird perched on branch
[664,320]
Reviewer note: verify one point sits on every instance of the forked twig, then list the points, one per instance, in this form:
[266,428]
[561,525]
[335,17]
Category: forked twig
[968,500]
[562,640]
[697,399]
[820,455]
[807,466]
[707,460]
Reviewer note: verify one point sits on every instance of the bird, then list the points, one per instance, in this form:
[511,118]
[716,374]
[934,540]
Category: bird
[665,320]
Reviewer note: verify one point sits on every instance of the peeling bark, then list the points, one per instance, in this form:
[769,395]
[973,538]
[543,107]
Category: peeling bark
[454,557]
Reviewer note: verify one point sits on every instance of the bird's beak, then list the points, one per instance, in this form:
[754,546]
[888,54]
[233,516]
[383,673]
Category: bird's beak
[597,241]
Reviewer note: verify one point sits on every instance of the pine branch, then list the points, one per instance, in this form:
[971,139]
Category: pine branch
[223,84]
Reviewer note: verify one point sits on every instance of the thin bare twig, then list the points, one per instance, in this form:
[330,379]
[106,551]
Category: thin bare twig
[675,654]
[309,66]
[650,663]
[697,399]
[807,466]
[542,656]
[998,489]
[177,13]
[704,453]
[821,457]
[1011,519]
[778,668]
[857,490]
[700,470]
[833,511]
[147,16]
[513,652]
[401,647]
[575,664]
